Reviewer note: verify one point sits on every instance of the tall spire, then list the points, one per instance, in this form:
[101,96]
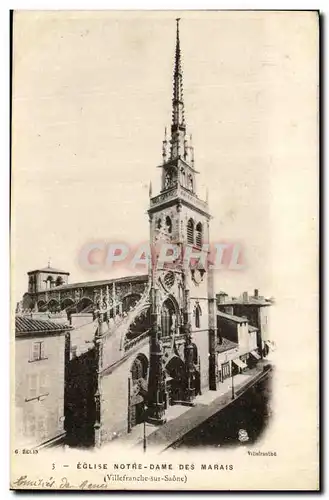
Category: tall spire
[178,127]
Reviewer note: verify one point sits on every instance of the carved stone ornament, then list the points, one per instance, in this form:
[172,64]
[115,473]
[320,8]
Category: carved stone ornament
[197,275]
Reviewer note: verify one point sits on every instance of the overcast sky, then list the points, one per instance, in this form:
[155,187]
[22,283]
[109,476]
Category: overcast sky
[91,97]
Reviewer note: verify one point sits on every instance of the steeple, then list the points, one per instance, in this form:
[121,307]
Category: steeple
[178,127]
[177,152]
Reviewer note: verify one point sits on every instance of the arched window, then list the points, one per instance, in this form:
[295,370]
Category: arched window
[198,236]
[129,301]
[139,368]
[168,224]
[32,282]
[159,224]
[190,232]
[197,314]
[49,282]
[168,318]
[190,182]
[183,177]
[59,281]
[168,180]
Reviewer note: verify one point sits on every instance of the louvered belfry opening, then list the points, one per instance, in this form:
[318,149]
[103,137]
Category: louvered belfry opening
[190,232]
[168,224]
[198,238]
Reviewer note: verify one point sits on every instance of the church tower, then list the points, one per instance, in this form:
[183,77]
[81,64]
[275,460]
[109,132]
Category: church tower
[183,335]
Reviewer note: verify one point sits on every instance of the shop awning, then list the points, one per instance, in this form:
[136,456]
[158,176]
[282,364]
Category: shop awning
[240,363]
[255,354]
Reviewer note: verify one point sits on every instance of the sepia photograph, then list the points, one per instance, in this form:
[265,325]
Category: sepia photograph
[164,284]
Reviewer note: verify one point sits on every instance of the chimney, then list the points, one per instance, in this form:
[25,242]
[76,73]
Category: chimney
[221,298]
[245,296]
[256,294]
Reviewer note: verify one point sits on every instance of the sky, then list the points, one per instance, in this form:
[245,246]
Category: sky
[91,98]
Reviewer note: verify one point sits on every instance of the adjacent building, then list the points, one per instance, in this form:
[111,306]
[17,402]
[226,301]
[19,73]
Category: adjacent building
[40,361]
[253,308]
[238,340]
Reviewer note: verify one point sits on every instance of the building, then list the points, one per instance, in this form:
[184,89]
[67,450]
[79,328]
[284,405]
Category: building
[46,278]
[255,309]
[236,331]
[40,361]
[182,305]
[79,297]
[141,344]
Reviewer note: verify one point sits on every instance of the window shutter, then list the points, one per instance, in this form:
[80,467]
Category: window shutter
[33,382]
[42,350]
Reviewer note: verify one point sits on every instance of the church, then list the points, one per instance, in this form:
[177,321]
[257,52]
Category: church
[140,344]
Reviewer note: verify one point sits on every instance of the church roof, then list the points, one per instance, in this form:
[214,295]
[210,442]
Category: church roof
[27,326]
[125,279]
[48,270]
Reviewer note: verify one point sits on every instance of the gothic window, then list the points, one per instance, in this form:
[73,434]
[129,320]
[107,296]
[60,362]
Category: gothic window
[190,232]
[197,314]
[168,180]
[59,281]
[167,316]
[168,224]
[198,237]
[139,368]
[190,182]
[183,177]
[169,279]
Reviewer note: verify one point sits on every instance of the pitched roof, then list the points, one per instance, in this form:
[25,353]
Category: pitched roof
[139,278]
[225,345]
[25,325]
[48,270]
[231,317]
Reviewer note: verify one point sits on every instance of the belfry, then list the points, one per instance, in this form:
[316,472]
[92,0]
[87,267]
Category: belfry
[183,326]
